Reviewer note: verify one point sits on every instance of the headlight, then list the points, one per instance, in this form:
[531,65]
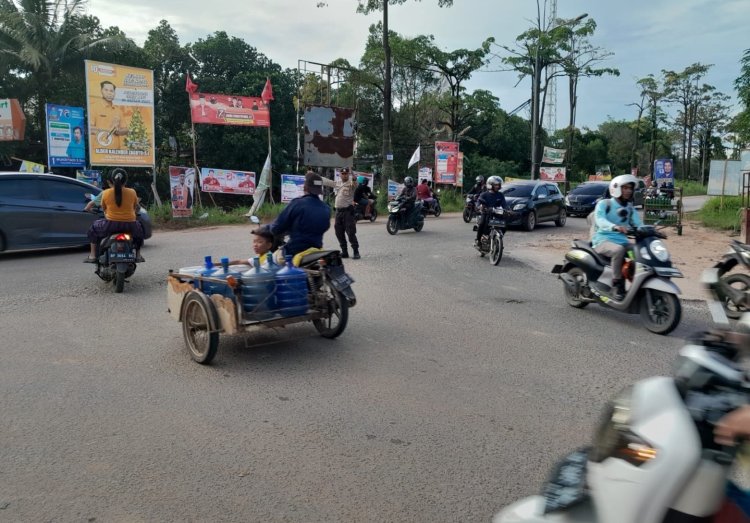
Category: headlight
[645,254]
[567,201]
[614,439]
[468,199]
[659,250]
[519,206]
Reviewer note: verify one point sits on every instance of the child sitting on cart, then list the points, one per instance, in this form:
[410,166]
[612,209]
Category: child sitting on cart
[263,242]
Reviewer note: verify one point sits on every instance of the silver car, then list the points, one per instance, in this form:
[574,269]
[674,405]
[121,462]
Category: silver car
[40,211]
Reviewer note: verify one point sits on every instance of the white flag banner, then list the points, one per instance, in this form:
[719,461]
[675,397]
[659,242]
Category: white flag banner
[414,157]
[263,185]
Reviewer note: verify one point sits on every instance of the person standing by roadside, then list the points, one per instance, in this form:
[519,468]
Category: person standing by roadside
[345,223]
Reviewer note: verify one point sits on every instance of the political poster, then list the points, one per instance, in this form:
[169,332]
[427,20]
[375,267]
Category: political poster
[120,105]
[552,174]
[425,173]
[91,176]
[227,109]
[181,183]
[556,156]
[446,162]
[460,171]
[393,189]
[66,138]
[227,181]
[12,120]
[663,170]
[292,187]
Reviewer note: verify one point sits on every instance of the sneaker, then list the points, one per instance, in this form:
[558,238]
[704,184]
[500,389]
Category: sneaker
[344,254]
[355,255]
[618,290]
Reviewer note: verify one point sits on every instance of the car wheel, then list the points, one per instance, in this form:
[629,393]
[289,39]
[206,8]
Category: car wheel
[530,223]
[560,221]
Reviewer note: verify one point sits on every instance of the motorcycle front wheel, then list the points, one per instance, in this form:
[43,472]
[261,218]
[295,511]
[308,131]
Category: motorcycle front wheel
[740,282]
[419,226]
[467,215]
[660,311]
[438,210]
[574,300]
[392,225]
[496,247]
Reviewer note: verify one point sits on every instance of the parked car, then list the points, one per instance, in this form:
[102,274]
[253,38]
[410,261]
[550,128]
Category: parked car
[581,200]
[534,202]
[40,211]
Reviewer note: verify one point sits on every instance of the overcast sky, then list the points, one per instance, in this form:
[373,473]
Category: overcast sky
[645,36]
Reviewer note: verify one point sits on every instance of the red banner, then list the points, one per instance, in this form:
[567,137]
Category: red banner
[446,162]
[224,109]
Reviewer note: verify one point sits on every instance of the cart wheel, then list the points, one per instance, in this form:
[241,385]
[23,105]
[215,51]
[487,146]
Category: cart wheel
[198,313]
[338,313]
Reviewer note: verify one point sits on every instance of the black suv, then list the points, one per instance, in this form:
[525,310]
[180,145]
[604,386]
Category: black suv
[534,202]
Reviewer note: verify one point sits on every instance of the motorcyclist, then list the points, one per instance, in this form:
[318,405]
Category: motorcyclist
[409,195]
[478,187]
[613,217]
[488,200]
[424,193]
[363,195]
[120,206]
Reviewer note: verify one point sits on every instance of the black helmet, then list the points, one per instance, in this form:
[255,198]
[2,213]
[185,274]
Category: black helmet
[409,181]
[480,179]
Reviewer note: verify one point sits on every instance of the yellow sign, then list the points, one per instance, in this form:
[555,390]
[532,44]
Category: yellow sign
[120,106]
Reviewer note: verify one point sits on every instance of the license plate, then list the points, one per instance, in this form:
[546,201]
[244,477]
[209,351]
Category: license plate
[339,279]
[121,256]
[566,485]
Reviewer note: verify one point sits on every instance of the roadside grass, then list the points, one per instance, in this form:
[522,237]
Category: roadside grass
[721,213]
[162,218]
[692,188]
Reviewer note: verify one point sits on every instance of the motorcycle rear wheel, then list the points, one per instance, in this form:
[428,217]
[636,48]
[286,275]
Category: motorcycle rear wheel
[467,215]
[419,226]
[373,214]
[575,300]
[392,225]
[119,282]
[438,210]
[740,282]
[664,316]
[496,247]
[338,310]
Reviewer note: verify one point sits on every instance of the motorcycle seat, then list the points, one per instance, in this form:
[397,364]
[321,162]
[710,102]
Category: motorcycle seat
[586,246]
[313,257]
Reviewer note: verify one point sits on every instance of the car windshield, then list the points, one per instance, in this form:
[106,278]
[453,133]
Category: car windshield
[590,190]
[518,190]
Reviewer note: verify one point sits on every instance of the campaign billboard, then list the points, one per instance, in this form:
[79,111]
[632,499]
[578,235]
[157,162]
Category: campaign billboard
[12,120]
[120,106]
[229,109]
[66,137]
[552,174]
[227,181]
[292,186]
[551,155]
[181,184]
[446,162]
[663,171]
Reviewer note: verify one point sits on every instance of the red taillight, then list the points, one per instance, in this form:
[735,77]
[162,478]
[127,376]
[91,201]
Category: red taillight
[122,237]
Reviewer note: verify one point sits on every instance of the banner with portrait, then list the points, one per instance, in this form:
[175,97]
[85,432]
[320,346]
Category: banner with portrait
[66,138]
[227,109]
[227,181]
[120,106]
[663,170]
[552,174]
[556,156]
[446,162]
[182,189]
[292,186]
[460,171]
[425,173]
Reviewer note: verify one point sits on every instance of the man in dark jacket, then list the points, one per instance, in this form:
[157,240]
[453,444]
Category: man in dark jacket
[488,200]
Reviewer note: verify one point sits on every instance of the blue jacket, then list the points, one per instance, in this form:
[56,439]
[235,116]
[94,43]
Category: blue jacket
[608,214]
[493,199]
[305,220]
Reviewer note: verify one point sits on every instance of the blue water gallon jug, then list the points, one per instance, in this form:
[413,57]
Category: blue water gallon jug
[224,272]
[207,270]
[270,264]
[291,290]
[258,297]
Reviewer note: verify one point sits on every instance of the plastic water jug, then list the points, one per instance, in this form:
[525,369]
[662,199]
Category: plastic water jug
[224,272]
[208,270]
[291,290]
[270,265]
[258,297]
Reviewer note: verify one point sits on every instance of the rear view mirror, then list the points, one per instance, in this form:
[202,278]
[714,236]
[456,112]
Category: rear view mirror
[255,220]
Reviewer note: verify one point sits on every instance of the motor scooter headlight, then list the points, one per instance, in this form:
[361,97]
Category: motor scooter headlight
[659,250]
[615,439]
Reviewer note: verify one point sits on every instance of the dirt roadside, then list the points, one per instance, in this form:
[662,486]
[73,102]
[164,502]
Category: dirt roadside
[697,249]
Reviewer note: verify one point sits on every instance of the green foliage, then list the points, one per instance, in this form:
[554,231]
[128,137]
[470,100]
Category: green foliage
[692,188]
[162,216]
[721,213]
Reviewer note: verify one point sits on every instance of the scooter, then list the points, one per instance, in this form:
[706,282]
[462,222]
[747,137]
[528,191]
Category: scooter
[492,242]
[587,278]
[734,289]
[116,260]
[432,208]
[653,458]
[399,219]
[359,213]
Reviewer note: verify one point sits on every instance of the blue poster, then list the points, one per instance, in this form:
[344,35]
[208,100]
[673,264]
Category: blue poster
[66,139]
[292,186]
[93,177]
[663,170]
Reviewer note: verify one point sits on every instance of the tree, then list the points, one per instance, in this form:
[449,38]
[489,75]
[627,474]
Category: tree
[653,93]
[711,117]
[741,123]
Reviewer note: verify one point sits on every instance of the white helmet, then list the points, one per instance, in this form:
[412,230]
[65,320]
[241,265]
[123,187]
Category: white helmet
[615,186]
[494,180]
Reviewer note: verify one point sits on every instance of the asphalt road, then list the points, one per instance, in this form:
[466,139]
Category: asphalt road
[454,388]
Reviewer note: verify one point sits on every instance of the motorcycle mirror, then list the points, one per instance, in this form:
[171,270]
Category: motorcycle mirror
[254,219]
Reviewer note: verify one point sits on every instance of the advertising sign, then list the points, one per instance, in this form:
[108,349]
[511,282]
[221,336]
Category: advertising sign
[30,167]
[551,155]
[226,181]
[120,105]
[663,170]
[552,174]
[329,136]
[291,187]
[181,183]
[393,189]
[425,173]
[90,176]
[446,162]
[12,120]
[66,138]
[227,109]
[460,172]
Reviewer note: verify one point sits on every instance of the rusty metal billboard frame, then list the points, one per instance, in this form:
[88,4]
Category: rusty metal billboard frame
[331,75]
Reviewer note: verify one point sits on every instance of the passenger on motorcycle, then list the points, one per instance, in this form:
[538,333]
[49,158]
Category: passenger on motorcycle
[120,205]
[612,219]
[489,199]
[425,194]
[363,195]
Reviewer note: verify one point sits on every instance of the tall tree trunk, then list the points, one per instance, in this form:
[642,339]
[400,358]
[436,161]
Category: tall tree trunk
[652,158]
[573,93]
[387,164]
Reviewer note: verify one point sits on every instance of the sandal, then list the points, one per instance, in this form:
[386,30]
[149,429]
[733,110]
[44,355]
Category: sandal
[89,260]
